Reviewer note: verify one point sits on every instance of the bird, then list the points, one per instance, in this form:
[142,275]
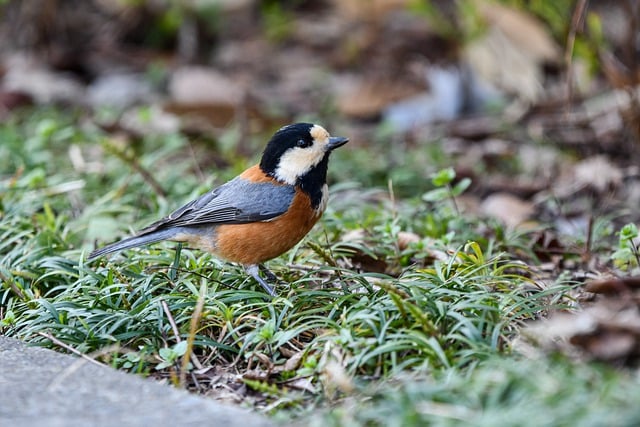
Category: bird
[258,215]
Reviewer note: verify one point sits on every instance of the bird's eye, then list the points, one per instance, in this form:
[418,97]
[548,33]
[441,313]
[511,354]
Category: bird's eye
[302,143]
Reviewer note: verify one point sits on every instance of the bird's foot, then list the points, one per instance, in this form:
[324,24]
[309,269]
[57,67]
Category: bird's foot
[270,276]
[254,271]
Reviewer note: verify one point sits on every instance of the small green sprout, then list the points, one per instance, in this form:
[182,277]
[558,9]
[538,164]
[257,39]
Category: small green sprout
[627,256]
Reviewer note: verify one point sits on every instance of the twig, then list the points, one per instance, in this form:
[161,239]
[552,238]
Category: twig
[392,199]
[135,165]
[196,163]
[195,321]
[630,45]
[172,322]
[69,348]
[176,332]
[12,284]
[577,21]
[589,241]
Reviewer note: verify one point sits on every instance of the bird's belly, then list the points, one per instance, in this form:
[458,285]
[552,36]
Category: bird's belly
[257,242]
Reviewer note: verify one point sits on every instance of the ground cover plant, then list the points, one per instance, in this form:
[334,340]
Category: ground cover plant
[471,269]
[382,289]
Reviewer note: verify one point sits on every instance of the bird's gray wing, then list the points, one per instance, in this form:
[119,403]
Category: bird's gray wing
[236,202]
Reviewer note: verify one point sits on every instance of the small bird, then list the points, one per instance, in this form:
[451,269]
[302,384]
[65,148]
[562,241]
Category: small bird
[260,214]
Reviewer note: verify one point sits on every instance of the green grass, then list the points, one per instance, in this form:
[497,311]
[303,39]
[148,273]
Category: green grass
[502,391]
[442,310]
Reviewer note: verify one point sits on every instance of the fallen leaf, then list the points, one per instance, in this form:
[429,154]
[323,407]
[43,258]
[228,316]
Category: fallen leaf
[256,374]
[155,121]
[609,345]
[41,84]
[291,363]
[529,34]
[406,238]
[475,128]
[303,384]
[509,209]
[598,173]
[367,10]
[546,246]
[607,330]
[498,62]
[201,85]
[613,286]
[336,377]
[10,100]
[120,90]
[354,241]
[368,98]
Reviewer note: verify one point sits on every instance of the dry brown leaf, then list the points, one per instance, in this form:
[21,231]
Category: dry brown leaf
[618,74]
[613,286]
[361,259]
[608,330]
[609,345]
[157,122]
[546,246]
[509,209]
[336,377]
[291,364]
[368,98]
[41,84]
[10,100]
[303,384]
[496,60]
[256,374]
[511,54]
[597,173]
[294,361]
[406,238]
[201,85]
[525,31]
[475,128]
[367,10]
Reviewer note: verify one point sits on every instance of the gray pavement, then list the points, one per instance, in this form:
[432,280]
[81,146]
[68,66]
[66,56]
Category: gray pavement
[39,387]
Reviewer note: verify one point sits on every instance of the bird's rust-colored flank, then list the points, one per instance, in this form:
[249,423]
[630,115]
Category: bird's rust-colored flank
[257,242]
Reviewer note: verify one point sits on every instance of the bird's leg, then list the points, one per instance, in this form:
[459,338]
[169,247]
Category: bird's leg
[254,271]
[270,276]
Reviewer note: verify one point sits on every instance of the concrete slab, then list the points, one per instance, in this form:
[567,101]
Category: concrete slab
[39,387]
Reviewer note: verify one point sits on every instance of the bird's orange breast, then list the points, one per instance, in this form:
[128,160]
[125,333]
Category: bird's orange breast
[257,242]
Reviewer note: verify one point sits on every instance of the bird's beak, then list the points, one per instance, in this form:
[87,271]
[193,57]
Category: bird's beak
[335,142]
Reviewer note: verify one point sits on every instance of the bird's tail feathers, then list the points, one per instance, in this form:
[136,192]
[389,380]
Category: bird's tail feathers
[134,241]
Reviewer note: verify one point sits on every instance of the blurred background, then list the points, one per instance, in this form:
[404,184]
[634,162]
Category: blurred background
[493,169]
[532,100]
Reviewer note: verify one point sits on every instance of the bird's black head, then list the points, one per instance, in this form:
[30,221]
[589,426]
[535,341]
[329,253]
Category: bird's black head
[299,153]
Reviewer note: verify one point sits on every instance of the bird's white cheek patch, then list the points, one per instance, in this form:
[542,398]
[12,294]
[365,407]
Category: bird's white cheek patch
[296,162]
